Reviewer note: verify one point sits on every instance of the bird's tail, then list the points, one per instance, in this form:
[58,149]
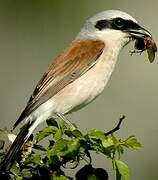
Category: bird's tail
[12,153]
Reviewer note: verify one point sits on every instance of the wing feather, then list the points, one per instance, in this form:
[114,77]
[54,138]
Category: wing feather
[78,58]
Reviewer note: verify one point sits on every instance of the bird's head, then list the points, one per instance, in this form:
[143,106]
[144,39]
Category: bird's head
[114,27]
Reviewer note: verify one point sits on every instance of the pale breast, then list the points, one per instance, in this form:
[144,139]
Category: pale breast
[83,90]
[86,88]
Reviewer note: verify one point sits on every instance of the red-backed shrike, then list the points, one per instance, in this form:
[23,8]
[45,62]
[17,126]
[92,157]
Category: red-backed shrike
[79,74]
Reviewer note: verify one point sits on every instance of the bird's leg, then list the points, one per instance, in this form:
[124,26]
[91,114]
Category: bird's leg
[68,123]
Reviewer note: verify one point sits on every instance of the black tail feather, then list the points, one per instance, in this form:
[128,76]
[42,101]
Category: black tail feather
[11,155]
[21,118]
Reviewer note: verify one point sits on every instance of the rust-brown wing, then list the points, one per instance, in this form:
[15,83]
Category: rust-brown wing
[78,58]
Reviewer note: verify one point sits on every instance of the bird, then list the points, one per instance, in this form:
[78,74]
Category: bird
[77,75]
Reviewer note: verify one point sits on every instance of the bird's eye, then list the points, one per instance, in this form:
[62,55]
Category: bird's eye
[119,23]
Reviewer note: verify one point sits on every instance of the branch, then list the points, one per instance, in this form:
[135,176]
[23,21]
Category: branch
[117,127]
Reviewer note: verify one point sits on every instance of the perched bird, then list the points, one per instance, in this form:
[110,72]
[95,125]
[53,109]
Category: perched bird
[79,74]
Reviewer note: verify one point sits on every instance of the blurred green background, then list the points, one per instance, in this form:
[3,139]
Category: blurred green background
[33,32]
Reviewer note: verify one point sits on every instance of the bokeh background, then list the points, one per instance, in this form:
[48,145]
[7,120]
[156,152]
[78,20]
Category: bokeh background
[33,32]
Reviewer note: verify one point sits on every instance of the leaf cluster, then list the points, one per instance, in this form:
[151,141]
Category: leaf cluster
[66,148]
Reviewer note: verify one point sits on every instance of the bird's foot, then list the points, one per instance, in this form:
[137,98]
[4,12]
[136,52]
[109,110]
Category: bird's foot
[69,125]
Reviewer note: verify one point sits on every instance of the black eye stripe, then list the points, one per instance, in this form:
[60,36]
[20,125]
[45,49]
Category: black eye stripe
[126,24]
[117,23]
[102,24]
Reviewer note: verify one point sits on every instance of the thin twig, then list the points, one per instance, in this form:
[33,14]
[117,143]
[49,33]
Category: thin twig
[117,127]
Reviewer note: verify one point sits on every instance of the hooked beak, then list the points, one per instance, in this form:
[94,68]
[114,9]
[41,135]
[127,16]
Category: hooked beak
[139,33]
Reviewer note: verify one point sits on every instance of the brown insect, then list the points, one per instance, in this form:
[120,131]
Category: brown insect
[146,44]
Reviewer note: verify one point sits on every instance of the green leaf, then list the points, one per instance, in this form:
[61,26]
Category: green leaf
[70,146]
[151,55]
[92,177]
[122,169]
[60,178]
[46,132]
[68,133]
[58,135]
[114,139]
[52,122]
[39,147]
[18,178]
[59,147]
[106,141]
[54,160]
[65,147]
[75,133]
[15,169]
[63,125]
[132,142]
[120,150]
[36,159]
[97,134]
[26,173]
[118,175]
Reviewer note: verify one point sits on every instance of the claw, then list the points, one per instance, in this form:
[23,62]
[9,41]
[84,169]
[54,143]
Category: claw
[68,123]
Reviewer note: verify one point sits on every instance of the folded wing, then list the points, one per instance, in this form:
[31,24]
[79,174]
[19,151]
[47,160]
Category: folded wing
[77,59]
